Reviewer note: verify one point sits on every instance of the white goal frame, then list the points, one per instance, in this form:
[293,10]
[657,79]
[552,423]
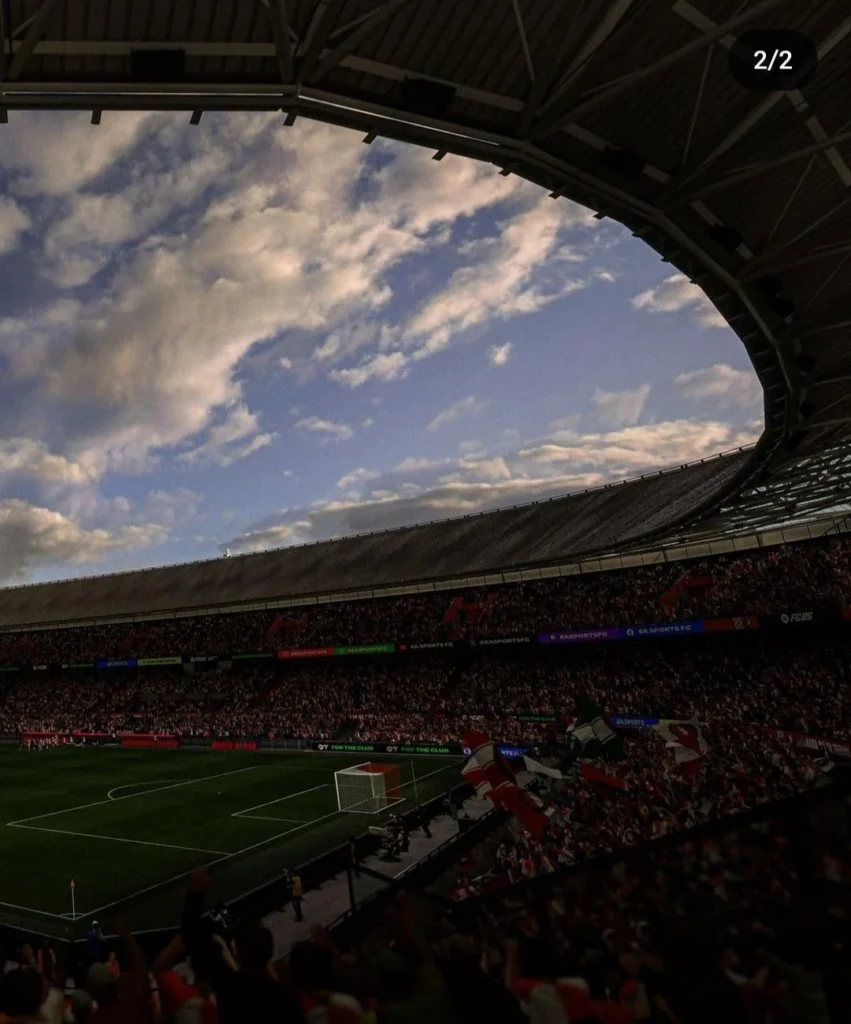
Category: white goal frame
[378,800]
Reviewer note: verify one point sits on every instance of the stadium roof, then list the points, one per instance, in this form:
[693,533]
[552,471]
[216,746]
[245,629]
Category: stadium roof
[626,106]
[470,550]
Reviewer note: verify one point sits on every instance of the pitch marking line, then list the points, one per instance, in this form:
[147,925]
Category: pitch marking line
[290,796]
[138,785]
[114,839]
[131,796]
[227,856]
[237,853]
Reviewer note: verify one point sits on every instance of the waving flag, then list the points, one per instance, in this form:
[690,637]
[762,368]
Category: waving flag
[592,734]
[489,774]
[687,741]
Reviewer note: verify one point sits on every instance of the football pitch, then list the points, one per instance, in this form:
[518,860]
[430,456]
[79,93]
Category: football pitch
[129,825]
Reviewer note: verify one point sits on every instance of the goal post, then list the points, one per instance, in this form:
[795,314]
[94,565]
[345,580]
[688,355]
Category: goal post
[368,788]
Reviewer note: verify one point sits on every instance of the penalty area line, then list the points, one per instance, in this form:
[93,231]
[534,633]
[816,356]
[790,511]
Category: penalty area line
[133,796]
[115,839]
[237,853]
[280,800]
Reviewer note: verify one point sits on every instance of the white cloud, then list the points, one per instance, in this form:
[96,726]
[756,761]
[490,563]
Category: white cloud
[729,387]
[502,281]
[58,153]
[564,462]
[221,447]
[621,408]
[328,429]
[21,456]
[677,293]
[464,407]
[500,354]
[33,538]
[384,367]
[286,247]
[356,477]
[14,221]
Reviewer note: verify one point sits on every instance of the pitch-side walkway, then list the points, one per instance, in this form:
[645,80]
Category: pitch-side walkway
[322,906]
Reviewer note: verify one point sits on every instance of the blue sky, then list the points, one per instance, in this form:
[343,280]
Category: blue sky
[248,335]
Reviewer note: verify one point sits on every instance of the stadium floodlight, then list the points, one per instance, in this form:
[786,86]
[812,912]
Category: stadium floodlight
[368,788]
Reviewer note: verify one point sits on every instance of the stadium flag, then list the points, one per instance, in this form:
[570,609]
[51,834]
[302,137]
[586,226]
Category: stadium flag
[491,777]
[488,758]
[596,777]
[687,741]
[526,807]
[592,733]
[528,764]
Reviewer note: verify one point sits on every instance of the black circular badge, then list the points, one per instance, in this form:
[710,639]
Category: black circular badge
[773,60]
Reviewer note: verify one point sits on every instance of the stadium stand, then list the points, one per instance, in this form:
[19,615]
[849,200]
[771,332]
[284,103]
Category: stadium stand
[540,533]
[765,581]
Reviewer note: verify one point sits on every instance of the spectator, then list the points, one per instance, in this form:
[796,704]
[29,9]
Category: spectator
[312,966]
[246,987]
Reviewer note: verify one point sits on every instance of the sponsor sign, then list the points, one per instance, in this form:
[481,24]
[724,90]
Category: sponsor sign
[160,661]
[501,641]
[437,645]
[624,722]
[234,745]
[730,625]
[386,748]
[251,657]
[574,636]
[537,718]
[789,618]
[365,649]
[511,752]
[200,659]
[663,629]
[306,652]
[122,663]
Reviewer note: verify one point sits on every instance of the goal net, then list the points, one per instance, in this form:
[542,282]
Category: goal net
[368,788]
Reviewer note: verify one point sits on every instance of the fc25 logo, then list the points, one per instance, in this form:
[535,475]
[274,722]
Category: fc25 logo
[786,618]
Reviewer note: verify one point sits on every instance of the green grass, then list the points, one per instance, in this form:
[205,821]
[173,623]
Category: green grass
[136,840]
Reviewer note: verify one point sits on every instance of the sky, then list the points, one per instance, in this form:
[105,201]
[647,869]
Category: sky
[245,335]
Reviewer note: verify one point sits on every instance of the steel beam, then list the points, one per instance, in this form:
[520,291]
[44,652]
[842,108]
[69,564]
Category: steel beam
[34,34]
[353,40]
[283,40]
[556,121]
[738,175]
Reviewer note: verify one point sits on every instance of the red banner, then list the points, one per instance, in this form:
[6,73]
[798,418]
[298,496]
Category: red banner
[307,652]
[234,745]
[729,625]
[846,611]
[149,741]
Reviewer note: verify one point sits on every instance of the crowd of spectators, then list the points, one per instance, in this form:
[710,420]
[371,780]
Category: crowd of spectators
[797,684]
[745,925]
[700,932]
[753,583]
[739,927]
